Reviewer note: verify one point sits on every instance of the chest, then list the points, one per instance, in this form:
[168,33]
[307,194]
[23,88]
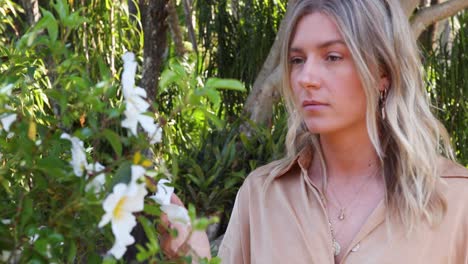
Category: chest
[298,233]
[349,217]
[347,208]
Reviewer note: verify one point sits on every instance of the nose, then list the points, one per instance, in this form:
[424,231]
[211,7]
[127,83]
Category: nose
[309,75]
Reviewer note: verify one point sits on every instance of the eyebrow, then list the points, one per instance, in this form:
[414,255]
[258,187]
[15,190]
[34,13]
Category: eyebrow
[322,45]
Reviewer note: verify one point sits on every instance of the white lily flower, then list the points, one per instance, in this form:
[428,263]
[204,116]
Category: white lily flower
[78,161]
[99,180]
[135,103]
[138,173]
[175,213]
[119,249]
[135,96]
[155,135]
[6,89]
[133,116]
[7,120]
[163,195]
[5,255]
[119,207]
[128,74]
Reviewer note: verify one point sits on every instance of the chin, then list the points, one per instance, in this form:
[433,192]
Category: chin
[319,128]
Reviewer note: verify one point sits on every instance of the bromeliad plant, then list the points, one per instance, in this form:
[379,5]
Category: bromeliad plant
[83,156]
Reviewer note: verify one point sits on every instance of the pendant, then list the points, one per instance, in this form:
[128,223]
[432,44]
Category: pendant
[356,248]
[336,248]
[341,217]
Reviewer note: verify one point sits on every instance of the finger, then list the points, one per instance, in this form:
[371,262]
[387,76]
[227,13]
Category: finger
[176,200]
[167,247]
[163,226]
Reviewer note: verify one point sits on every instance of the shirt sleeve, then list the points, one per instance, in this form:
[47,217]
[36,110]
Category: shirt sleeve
[235,247]
[462,248]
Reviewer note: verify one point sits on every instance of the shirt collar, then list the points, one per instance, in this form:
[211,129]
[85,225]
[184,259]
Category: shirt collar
[303,158]
[450,169]
[447,168]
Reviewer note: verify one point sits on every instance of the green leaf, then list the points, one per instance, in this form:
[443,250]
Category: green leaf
[167,78]
[61,7]
[227,84]
[42,246]
[213,118]
[192,212]
[201,224]
[152,209]
[194,99]
[52,166]
[27,211]
[71,251]
[51,25]
[109,260]
[123,173]
[149,229]
[74,20]
[212,94]
[214,260]
[114,140]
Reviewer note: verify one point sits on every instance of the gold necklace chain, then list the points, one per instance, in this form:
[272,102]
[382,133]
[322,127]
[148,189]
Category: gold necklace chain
[342,209]
[335,245]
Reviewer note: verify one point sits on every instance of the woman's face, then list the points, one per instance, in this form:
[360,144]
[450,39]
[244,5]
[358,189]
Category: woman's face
[324,79]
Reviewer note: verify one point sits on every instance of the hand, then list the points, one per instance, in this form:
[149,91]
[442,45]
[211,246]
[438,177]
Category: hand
[196,245]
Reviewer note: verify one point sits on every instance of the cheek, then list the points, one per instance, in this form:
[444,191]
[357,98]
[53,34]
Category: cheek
[294,87]
[351,93]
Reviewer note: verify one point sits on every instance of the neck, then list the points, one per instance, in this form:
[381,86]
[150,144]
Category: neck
[349,156]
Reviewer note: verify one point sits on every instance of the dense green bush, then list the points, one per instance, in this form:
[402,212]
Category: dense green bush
[54,193]
[64,76]
[447,72]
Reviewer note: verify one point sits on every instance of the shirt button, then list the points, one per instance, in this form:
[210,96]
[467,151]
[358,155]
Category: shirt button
[356,248]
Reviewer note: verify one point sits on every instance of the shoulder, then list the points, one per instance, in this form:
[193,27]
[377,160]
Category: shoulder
[451,170]
[454,175]
[278,172]
[455,179]
[266,173]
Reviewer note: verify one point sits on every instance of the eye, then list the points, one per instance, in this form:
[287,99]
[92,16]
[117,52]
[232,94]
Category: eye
[296,60]
[333,57]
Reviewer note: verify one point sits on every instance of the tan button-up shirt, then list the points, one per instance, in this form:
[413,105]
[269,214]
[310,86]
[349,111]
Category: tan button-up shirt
[289,225]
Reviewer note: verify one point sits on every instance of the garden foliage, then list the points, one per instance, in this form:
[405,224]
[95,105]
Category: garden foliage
[77,136]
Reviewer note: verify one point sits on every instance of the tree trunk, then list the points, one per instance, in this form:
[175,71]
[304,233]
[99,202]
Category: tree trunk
[154,20]
[173,22]
[266,85]
[188,21]
[265,91]
[429,15]
[31,9]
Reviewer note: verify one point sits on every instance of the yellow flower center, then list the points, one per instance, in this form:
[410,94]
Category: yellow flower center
[118,210]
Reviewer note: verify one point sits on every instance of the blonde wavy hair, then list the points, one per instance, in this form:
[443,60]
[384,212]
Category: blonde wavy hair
[410,140]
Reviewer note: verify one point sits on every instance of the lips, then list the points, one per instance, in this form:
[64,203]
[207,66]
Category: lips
[312,105]
[312,102]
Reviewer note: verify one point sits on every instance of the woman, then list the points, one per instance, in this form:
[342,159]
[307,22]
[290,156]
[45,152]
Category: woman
[364,180]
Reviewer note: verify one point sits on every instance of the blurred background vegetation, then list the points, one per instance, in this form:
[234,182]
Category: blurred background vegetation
[208,157]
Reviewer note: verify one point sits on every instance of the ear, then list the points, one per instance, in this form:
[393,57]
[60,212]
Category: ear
[384,83]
